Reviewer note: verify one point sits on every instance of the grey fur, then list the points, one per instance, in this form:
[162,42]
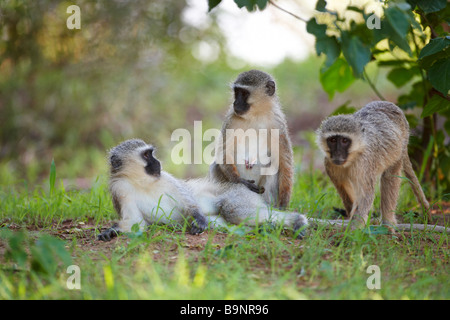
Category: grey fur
[132,188]
[253,78]
[380,134]
[127,168]
[238,205]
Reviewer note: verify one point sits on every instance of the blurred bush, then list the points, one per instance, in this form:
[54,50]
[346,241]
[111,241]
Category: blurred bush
[71,94]
[128,72]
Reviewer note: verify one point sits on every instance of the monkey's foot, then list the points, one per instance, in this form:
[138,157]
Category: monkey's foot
[342,212]
[390,226]
[109,234]
[358,222]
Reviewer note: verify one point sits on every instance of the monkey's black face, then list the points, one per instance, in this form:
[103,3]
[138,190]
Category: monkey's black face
[240,104]
[339,148]
[153,166]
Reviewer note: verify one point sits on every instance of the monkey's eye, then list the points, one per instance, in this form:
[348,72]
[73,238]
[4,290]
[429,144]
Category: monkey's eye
[147,154]
[345,140]
[332,140]
[241,93]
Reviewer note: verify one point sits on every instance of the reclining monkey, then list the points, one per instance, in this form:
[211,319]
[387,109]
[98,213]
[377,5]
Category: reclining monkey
[142,193]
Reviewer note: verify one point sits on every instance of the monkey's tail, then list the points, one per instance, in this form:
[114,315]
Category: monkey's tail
[415,184]
[342,224]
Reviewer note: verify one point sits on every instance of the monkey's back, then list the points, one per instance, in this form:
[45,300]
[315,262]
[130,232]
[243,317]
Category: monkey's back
[378,111]
[385,130]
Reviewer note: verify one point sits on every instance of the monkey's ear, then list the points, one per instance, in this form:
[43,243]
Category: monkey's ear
[116,163]
[270,87]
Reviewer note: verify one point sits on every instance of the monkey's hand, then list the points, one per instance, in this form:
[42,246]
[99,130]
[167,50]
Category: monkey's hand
[109,234]
[252,186]
[199,223]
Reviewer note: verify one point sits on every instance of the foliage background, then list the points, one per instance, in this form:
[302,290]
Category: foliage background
[130,71]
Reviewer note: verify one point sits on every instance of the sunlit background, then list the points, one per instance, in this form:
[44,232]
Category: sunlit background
[143,69]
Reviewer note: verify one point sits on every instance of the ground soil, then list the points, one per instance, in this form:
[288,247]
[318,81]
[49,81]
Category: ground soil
[86,235]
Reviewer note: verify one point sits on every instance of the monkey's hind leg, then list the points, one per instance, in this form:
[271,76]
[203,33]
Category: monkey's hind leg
[239,205]
[415,184]
[390,187]
[363,203]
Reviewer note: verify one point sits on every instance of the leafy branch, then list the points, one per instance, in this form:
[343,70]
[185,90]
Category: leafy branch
[390,41]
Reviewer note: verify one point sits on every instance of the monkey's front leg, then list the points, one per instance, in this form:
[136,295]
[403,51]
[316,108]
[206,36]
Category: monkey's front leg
[346,199]
[130,215]
[361,207]
[345,190]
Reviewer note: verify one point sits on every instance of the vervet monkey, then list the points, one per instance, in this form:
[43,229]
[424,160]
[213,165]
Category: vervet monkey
[142,193]
[256,109]
[362,147]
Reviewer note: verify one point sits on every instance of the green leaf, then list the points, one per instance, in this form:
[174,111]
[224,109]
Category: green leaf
[429,6]
[414,98]
[434,105]
[398,20]
[52,177]
[135,228]
[16,251]
[324,44]
[401,76]
[261,4]
[47,253]
[320,6]
[439,76]
[435,46]
[343,109]
[447,126]
[244,3]
[435,50]
[337,77]
[318,30]
[355,52]
[212,4]
[252,4]
[396,26]
[330,47]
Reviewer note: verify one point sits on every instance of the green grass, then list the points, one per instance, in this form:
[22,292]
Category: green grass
[168,263]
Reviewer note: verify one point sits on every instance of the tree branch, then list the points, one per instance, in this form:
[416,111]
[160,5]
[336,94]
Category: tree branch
[294,15]
[373,86]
